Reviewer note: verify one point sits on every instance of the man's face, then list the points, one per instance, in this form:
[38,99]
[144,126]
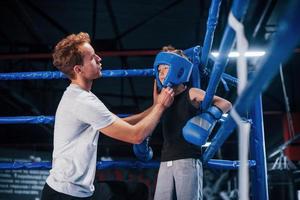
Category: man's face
[91,62]
[162,72]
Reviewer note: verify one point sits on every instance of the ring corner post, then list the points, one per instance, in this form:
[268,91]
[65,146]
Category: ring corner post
[259,180]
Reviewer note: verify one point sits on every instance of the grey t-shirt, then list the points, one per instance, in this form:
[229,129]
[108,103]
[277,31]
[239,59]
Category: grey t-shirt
[79,116]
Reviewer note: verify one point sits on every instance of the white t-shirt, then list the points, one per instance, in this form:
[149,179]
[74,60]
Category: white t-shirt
[79,116]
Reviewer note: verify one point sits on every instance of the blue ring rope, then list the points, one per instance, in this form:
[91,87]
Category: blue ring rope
[34,119]
[59,75]
[47,75]
[217,164]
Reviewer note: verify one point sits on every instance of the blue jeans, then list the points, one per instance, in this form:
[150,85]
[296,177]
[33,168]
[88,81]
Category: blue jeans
[179,179]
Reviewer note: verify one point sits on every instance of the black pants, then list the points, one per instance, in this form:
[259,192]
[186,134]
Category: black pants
[107,190]
[49,194]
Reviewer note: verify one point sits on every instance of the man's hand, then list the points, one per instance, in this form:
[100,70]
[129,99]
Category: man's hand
[166,97]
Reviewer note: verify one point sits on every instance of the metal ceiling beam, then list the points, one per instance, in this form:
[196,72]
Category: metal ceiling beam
[123,59]
[47,17]
[24,17]
[143,22]
[94,21]
[269,7]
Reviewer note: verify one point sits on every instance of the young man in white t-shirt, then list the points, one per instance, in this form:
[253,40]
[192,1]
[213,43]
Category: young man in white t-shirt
[81,115]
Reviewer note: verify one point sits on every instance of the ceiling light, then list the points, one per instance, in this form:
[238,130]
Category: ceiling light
[235,54]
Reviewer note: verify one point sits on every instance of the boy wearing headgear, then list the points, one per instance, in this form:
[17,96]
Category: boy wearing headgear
[180,174]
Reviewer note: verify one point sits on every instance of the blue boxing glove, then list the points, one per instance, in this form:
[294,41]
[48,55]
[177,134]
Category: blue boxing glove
[198,128]
[142,151]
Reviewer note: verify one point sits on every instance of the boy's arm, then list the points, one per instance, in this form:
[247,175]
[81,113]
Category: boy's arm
[197,96]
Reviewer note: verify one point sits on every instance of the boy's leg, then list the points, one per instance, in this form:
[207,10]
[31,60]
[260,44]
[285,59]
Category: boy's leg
[188,175]
[165,183]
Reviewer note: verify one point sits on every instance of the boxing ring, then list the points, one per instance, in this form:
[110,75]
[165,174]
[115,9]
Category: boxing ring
[249,103]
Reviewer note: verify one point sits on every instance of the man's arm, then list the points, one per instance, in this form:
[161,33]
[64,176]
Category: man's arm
[133,119]
[135,134]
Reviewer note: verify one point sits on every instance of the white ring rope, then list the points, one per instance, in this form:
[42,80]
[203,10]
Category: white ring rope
[243,126]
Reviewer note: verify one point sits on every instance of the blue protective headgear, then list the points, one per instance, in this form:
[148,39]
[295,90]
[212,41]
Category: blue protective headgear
[180,69]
